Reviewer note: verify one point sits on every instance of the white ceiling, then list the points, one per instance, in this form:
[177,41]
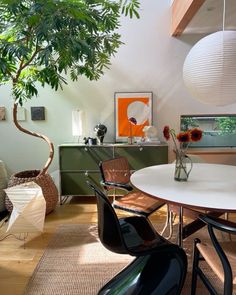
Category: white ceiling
[209,18]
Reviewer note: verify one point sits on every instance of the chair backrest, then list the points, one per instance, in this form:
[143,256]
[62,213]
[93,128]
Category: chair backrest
[226,226]
[108,224]
[115,170]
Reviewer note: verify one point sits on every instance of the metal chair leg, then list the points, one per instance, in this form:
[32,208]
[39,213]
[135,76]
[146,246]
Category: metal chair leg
[195,266]
[180,227]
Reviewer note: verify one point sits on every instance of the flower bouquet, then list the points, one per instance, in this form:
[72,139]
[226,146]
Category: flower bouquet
[181,143]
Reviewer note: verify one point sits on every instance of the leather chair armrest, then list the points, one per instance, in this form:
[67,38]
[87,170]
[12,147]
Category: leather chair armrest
[125,186]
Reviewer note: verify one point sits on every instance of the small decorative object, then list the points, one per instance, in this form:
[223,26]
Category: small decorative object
[2,114]
[37,113]
[100,131]
[90,140]
[151,134]
[132,121]
[184,138]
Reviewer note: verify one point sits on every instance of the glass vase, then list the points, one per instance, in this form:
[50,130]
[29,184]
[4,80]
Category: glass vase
[183,166]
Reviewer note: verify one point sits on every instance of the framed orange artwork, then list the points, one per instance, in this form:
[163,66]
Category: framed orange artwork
[128,105]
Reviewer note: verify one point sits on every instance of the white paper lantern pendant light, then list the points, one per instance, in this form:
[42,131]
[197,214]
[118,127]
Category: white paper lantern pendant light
[209,70]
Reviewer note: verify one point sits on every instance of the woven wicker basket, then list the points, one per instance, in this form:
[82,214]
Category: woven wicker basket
[3,184]
[45,181]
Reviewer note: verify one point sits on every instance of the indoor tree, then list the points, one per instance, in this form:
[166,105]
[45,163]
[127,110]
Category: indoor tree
[45,41]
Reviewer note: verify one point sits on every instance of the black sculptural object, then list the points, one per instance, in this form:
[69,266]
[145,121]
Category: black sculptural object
[159,267]
[100,131]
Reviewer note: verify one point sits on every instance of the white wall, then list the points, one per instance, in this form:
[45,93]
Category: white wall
[150,60]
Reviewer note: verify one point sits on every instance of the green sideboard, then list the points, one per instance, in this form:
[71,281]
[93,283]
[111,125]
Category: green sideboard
[78,163]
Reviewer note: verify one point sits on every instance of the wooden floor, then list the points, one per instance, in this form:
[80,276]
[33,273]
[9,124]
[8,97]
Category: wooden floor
[18,258]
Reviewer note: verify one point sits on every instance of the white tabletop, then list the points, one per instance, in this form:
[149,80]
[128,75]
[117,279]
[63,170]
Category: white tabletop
[209,186]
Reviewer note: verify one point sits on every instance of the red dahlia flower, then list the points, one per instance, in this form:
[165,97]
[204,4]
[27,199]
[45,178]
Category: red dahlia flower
[196,134]
[183,136]
[166,132]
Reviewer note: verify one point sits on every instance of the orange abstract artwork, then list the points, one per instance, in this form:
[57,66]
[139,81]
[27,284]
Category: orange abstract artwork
[138,107]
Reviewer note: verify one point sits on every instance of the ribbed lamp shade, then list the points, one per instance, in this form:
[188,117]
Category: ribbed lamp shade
[209,70]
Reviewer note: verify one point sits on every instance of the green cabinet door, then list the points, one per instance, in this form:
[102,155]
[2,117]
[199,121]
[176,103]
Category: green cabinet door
[83,157]
[79,163]
[74,183]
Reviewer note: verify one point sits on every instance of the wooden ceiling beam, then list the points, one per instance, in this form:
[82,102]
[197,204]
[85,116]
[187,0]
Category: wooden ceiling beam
[182,12]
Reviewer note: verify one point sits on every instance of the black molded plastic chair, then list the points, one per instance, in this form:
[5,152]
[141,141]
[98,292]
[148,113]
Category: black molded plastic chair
[116,175]
[220,256]
[159,267]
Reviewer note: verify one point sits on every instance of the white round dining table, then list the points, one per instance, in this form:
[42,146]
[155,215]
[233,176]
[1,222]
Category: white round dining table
[209,186]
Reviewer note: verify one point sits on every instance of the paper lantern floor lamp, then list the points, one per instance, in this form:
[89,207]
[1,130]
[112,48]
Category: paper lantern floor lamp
[209,70]
[29,207]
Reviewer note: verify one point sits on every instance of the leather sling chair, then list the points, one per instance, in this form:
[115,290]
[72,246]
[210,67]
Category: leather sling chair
[115,175]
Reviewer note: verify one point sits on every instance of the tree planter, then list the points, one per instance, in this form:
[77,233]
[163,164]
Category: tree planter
[35,54]
[45,181]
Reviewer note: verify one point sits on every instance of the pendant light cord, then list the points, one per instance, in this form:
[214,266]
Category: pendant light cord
[224,16]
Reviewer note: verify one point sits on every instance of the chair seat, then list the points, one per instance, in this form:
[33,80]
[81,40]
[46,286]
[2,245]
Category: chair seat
[137,202]
[211,257]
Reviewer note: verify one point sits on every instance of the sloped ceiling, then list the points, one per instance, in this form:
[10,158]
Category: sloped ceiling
[202,16]
[209,17]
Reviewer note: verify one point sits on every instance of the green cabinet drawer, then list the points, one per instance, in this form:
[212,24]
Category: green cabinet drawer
[83,158]
[143,156]
[74,183]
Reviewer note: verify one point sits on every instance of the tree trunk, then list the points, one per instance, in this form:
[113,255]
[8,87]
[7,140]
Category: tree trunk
[45,138]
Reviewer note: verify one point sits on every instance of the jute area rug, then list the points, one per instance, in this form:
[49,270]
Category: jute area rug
[75,263]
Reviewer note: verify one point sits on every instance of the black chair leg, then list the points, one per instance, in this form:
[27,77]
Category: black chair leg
[158,273]
[195,266]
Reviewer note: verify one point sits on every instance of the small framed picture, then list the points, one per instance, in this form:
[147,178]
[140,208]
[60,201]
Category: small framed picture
[2,114]
[21,114]
[132,105]
[37,113]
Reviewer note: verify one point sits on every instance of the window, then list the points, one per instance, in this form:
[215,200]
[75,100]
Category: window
[218,130]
